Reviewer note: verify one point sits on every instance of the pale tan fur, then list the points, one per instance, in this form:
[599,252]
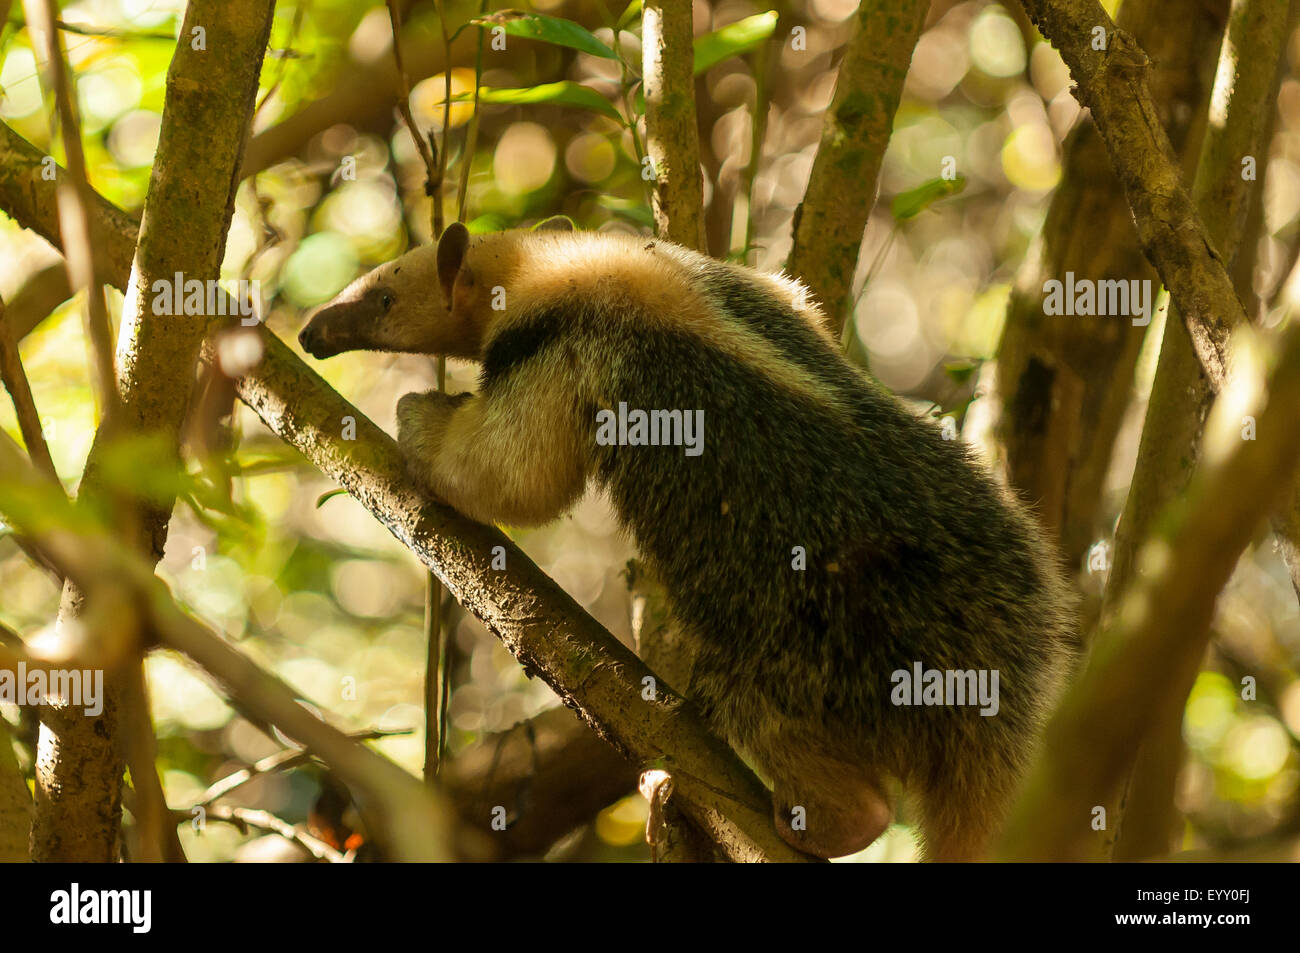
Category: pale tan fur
[629,276]
[783,287]
[520,465]
[514,459]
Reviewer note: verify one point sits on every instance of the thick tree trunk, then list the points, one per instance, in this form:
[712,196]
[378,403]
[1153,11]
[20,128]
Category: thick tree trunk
[210,91]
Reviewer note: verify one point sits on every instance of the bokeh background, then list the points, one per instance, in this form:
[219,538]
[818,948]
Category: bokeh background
[319,593]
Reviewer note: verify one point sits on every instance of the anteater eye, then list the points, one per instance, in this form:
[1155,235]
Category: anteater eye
[386,301]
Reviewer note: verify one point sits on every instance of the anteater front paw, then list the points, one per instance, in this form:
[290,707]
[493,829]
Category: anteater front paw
[422,421]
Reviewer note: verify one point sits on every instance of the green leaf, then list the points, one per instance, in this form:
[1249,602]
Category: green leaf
[565,93]
[913,202]
[553,30]
[325,497]
[550,223]
[631,13]
[741,37]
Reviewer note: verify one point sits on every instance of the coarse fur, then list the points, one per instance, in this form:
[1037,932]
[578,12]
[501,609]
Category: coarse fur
[913,552]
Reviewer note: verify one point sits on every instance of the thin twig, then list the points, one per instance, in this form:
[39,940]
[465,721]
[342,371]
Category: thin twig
[284,66]
[625,93]
[280,761]
[82,30]
[436,689]
[20,392]
[758,131]
[245,817]
[432,181]
[29,424]
[446,132]
[157,835]
[74,201]
[471,135]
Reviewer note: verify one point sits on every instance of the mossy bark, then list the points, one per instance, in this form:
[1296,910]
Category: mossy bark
[830,222]
[211,86]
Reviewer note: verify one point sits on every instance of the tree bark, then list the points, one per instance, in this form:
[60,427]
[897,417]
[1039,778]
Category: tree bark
[672,139]
[1066,382]
[1245,91]
[1112,82]
[205,123]
[831,219]
[15,804]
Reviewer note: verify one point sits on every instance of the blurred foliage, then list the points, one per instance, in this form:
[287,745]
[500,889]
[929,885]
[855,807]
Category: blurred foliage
[315,590]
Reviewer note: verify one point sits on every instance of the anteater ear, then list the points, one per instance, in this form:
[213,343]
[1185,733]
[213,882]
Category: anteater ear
[451,253]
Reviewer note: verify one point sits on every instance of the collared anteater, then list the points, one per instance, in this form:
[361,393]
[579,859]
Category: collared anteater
[821,545]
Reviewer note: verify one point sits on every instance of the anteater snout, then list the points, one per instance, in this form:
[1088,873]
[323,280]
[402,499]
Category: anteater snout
[314,342]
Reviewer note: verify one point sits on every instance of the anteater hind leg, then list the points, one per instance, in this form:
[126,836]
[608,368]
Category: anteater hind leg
[958,823]
[825,806]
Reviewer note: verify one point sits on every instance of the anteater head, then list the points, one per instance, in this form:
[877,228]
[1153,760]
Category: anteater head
[396,307]
[432,300]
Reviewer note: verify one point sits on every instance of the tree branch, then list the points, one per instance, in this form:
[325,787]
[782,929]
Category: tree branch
[829,223]
[211,85]
[672,139]
[1159,635]
[1112,83]
[538,621]
[29,421]
[41,293]
[119,584]
[1066,383]
[550,773]
[1245,90]
[20,392]
[245,817]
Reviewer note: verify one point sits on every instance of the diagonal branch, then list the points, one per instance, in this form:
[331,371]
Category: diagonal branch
[1066,383]
[1244,93]
[1159,634]
[14,377]
[1112,83]
[541,624]
[119,584]
[20,392]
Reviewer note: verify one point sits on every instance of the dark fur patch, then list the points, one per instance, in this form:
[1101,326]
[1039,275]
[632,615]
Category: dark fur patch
[520,342]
